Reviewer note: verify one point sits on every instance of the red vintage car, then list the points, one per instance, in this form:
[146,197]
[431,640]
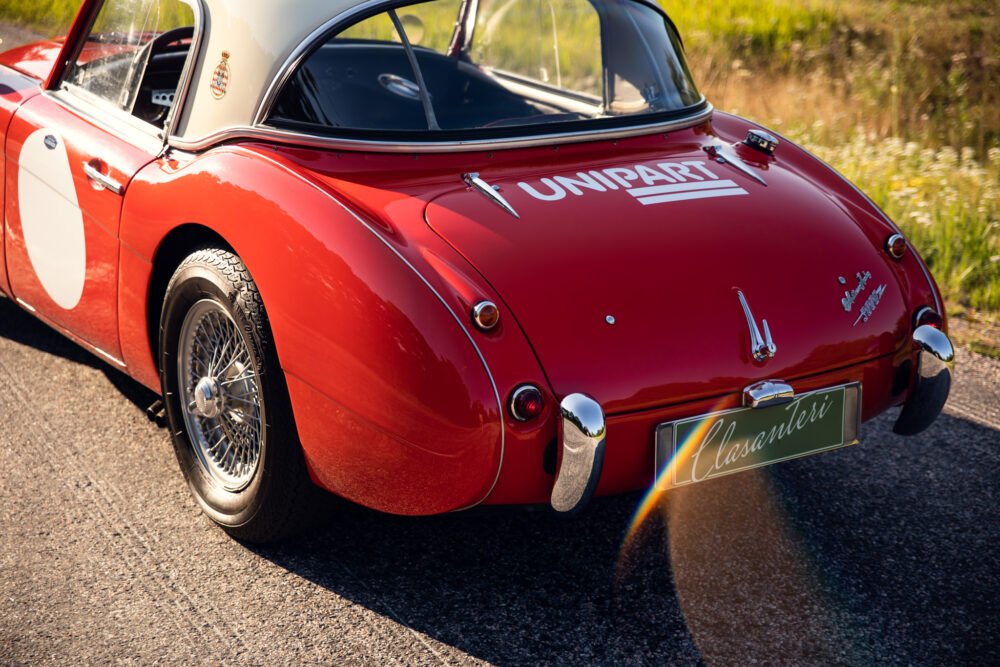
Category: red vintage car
[432,255]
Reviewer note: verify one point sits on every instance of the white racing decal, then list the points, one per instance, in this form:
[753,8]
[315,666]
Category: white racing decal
[51,218]
[662,183]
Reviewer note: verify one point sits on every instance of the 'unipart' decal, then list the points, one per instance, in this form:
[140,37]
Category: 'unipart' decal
[661,183]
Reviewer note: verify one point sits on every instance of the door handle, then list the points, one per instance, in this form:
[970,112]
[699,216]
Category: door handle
[103,180]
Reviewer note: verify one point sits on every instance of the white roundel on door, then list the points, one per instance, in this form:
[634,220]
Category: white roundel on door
[51,218]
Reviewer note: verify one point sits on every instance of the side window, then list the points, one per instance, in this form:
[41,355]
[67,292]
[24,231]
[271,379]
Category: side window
[552,42]
[133,56]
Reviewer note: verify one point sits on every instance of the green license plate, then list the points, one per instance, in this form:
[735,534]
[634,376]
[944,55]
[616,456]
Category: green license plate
[693,450]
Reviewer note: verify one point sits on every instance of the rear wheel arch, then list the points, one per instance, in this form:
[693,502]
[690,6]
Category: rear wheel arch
[175,247]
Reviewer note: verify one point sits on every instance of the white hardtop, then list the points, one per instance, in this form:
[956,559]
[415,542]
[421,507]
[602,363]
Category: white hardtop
[259,37]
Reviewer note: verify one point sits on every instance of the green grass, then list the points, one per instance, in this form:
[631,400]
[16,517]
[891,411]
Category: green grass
[919,70]
[53,17]
[946,202]
[985,349]
[48,16]
[902,97]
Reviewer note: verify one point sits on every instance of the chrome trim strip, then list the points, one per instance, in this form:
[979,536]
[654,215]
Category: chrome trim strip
[266,133]
[116,122]
[187,74]
[582,437]
[27,306]
[440,297]
[935,364]
[93,349]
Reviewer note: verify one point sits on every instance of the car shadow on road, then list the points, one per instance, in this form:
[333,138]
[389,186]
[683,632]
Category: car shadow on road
[883,553]
[878,554]
[21,327]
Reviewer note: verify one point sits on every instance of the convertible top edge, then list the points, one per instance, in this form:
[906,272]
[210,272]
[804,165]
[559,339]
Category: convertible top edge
[275,135]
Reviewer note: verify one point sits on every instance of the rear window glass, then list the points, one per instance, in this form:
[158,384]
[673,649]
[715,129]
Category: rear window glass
[448,66]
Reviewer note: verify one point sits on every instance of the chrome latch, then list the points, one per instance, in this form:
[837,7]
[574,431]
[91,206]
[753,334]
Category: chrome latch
[726,155]
[761,347]
[474,182]
[767,393]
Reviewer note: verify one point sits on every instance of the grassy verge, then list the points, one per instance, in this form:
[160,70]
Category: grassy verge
[48,17]
[924,71]
[901,97]
[947,203]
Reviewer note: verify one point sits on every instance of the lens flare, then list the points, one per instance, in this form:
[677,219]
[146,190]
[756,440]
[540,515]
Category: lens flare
[681,456]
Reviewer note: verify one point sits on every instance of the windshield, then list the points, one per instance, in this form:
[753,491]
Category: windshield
[461,66]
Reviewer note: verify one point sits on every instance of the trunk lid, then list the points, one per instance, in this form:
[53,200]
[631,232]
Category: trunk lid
[661,242]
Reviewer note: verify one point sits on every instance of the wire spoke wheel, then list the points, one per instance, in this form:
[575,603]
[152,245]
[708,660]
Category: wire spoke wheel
[227,401]
[221,399]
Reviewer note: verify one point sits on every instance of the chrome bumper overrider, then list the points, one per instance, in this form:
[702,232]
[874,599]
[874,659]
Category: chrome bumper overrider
[934,367]
[581,441]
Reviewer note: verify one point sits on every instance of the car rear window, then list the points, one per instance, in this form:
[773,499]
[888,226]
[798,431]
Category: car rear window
[463,68]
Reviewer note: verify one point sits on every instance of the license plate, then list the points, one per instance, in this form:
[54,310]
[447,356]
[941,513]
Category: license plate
[721,443]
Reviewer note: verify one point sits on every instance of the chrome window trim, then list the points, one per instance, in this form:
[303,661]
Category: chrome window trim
[187,74]
[118,122]
[105,116]
[440,297]
[266,133]
[298,55]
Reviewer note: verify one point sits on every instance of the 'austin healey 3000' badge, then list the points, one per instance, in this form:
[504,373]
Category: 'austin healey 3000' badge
[221,77]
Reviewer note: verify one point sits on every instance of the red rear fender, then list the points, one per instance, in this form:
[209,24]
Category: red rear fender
[395,405]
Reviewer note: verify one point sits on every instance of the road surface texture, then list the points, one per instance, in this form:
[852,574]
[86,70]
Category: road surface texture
[885,553]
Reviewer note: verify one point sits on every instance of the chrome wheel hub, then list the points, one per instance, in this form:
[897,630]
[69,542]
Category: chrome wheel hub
[208,398]
[221,401]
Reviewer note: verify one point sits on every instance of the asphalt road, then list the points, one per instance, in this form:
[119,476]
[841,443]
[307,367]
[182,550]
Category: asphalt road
[885,553]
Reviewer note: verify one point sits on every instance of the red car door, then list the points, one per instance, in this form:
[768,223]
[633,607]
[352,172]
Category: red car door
[65,181]
[71,153]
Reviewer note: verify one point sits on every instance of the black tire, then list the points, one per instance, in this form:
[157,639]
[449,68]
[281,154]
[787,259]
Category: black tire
[273,497]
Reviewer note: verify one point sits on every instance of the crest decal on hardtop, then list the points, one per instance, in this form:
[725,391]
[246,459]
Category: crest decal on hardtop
[221,77]
[660,183]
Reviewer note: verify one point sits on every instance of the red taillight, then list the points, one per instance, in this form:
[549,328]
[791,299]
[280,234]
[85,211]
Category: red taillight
[895,246]
[486,315]
[526,403]
[927,316]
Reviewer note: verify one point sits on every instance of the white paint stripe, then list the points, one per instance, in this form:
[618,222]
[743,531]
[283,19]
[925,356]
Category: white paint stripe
[680,187]
[707,194]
